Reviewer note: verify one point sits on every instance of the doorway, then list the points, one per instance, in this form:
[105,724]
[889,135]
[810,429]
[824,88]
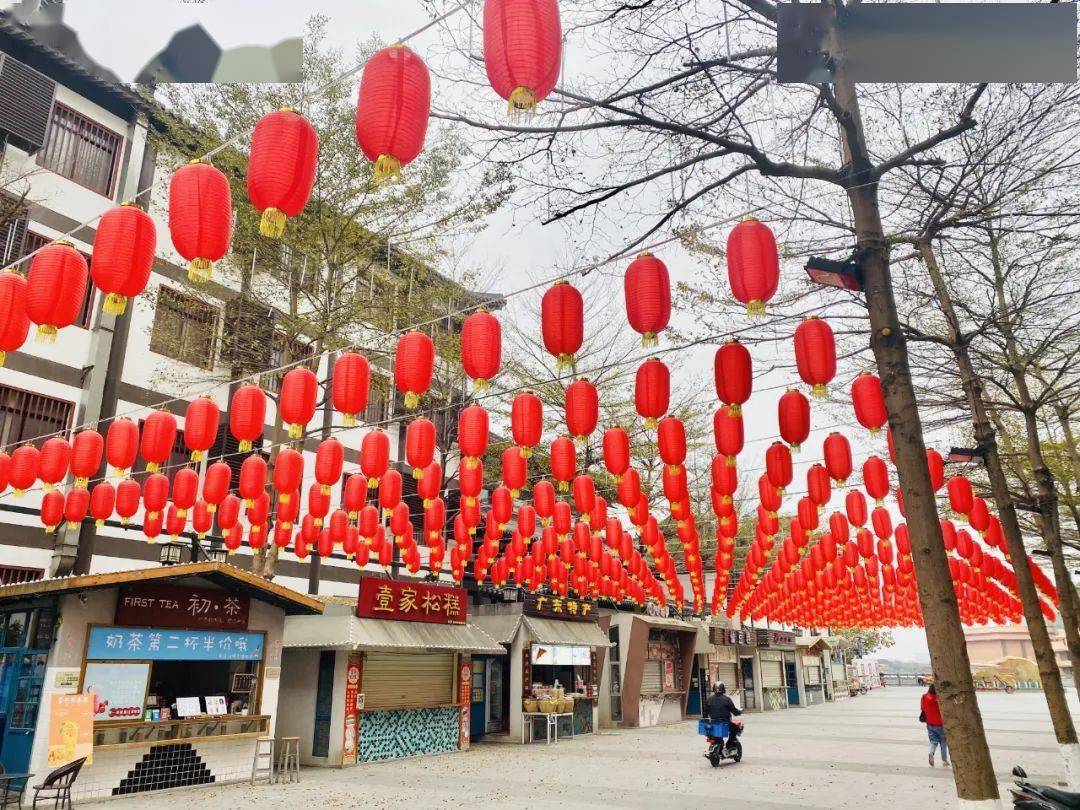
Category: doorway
[746,673]
[792,679]
[497,687]
[25,637]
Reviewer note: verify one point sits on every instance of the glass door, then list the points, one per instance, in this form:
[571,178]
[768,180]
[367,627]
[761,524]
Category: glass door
[22,676]
[495,704]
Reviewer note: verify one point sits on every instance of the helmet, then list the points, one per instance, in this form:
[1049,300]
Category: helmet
[720,689]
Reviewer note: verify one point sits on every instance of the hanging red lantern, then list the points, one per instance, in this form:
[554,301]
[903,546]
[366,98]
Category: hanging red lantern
[128,498]
[753,264]
[817,485]
[353,494]
[52,510]
[216,483]
[544,500]
[281,168]
[527,421]
[252,481]
[647,289]
[869,402]
[961,497]
[935,464]
[201,420]
[419,445]
[374,456]
[200,217]
[671,441]
[158,438]
[155,494]
[318,503]
[793,412]
[837,452]
[616,447]
[582,410]
[296,399]
[350,386]
[855,506]
[282,534]
[563,462]
[124,247]
[514,469]
[329,460]
[815,354]
[414,365]
[86,450]
[562,322]
[881,522]
[481,348]
[778,465]
[247,415]
[629,489]
[14,322]
[471,480]
[876,478]
[185,489]
[102,502]
[288,510]
[430,484]
[390,489]
[55,288]
[473,434]
[728,433]
[392,110]
[652,391]
[522,50]
[584,495]
[121,445]
[288,473]
[979,516]
[76,505]
[732,374]
[55,461]
[228,513]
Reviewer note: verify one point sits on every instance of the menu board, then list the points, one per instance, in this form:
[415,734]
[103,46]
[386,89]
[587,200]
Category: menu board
[561,655]
[188,707]
[71,729]
[215,704]
[118,688]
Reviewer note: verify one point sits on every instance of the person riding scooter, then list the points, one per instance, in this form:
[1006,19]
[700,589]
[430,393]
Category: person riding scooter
[721,709]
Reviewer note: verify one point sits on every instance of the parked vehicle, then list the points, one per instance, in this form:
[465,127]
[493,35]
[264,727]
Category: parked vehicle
[1041,797]
[720,746]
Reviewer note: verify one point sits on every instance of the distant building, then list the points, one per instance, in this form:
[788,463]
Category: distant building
[988,645]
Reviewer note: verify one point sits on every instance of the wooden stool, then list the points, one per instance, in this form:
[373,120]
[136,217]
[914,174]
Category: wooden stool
[288,766]
[262,766]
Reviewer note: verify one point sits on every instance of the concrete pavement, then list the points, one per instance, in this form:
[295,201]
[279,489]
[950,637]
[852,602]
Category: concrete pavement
[863,752]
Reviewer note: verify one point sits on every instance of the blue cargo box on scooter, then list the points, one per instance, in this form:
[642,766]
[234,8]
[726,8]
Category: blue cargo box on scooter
[707,728]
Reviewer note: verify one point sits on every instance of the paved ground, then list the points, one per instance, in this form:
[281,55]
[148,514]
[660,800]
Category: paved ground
[867,751]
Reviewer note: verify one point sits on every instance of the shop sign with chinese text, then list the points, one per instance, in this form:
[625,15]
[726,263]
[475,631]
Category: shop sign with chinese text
[729,637]
[152,644]
[558,607]
[775,638]
[406,601]
[169,606]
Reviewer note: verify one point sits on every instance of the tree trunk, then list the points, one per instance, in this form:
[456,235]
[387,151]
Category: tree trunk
[986,440]
[973,771]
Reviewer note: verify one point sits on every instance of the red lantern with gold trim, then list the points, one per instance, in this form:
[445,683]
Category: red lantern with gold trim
[158,437]
[247,415]
[55,288]
[616,448]
[732,374]
[837,452]
[216,483]
[351,386]
[582,410]
[102,502]
[671,441]
[527,421]
[419,445]
[815,354]
[14,322]
[296,399]
[652,391]
[778,465]
[753,264]
[869,402]
[329,460]
[200,217]
[563,462]
[124,247]
[281,168]
[481,348]
[86,450]
[562,322]
[392,110]
[728,433]
[793,412]
[128,498]
[473,433]
[522,50]
[121,445]
[647,289]
[514,469]
[414,365]
[288,472]
[201,420]
[876,478]
[374,456]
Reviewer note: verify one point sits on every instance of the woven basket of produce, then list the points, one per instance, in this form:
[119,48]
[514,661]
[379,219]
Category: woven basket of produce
[566,705]
[549,706]
[531,705]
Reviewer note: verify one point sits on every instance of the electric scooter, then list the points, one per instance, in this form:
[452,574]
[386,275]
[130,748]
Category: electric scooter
[716,735]
[1041,797]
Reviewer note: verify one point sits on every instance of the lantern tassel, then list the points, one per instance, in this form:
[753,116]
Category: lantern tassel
[80,483]
[412,399]
[651,423]
[387,170]
[211,508]
[417,473]
[372,483]
[272,224]
[819,391]
[46,334]
[244,446]
[115,304]
[480,385]
[564,486]
[349,419]
[521,104]
[199,270]
[755,308]
[296,431]
[526,452]
[99,522]
[564,361]
[649,339]
[197,455]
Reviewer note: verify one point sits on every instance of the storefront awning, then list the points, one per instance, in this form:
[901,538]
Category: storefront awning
[500,626]
[353,633]
[553,631]
[814,644]
[671,624]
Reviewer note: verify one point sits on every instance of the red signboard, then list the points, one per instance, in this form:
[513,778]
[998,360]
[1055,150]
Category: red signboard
[352,711]
[465,699]
[406,601]
[171,606]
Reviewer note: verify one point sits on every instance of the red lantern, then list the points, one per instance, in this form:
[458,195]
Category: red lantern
[855,505]
[961,498]
[563,462]
[794,417]
[216,483]
[430,484]
[652,391]
[158,437]
[329,460]
[522,50]
[778,465]
[414,365]
[481,348]
[252,481]
[671,441]
[296,399]
[935,464]
[648,297]
[869,403]
[374,456]
[732,374]
[390,488]
[562,322]
[584,495]
[121,445]
[815,354]
[544,500]
[353,494]
[281,168]
[582,410]
[837,452]
[753,264]
[473,433]
[351,385]
[86,450]
[247,415]
[52,510]
[527,421]
[471,480]
[228,514]
[55,288]
[881,522]
[979,516]
[419,445]
[128,497]
[124,246]
[200,217]
[817,485]
[55,461]
[616,452]
[392,110]
[76,505]
[728,433]
[514,469]
[102,501]
[185,489]
[201,421]
[14,322]
[876,478]
[155,494]
[318,503]
[288,472]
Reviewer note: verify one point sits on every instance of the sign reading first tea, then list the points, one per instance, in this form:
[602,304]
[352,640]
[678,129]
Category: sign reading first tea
[407,601]
[171,606]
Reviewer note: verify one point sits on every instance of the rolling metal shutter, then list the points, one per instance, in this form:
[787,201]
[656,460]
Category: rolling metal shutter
[407,680]
[772,674]
[26,99]
[839,675]
[652,678]
[812,675]
[728,674]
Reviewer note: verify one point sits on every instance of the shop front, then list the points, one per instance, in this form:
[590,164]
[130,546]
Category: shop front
[837,667]
[732,663]
[557,651]
[658,654]
[382,676]
[814,654]
[778,664]
[160,677]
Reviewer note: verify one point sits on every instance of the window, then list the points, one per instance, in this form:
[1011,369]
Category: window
[185,328]
[11,574]
[26,417]
[296,350]
[375,412]
[34,241]
[81,150]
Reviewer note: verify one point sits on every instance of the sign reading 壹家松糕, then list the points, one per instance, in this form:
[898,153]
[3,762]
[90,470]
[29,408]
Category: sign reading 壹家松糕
[558,607]
[168,644]
[171,606]
[411,602]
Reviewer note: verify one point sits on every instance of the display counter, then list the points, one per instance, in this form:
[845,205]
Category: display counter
[131,734]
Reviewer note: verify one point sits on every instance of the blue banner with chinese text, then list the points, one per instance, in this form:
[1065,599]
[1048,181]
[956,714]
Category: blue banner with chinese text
[153,644]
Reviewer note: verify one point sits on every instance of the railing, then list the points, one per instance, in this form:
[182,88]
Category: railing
[138,733]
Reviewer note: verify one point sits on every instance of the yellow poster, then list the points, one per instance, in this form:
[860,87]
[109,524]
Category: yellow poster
[71,729]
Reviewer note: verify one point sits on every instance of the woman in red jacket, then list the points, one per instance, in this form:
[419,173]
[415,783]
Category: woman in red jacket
[931,715]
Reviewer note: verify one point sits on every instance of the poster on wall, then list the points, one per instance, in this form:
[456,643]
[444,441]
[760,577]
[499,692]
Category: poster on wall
[71,729]
[352,711]
[118,688]
[464,687]
[669,675]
